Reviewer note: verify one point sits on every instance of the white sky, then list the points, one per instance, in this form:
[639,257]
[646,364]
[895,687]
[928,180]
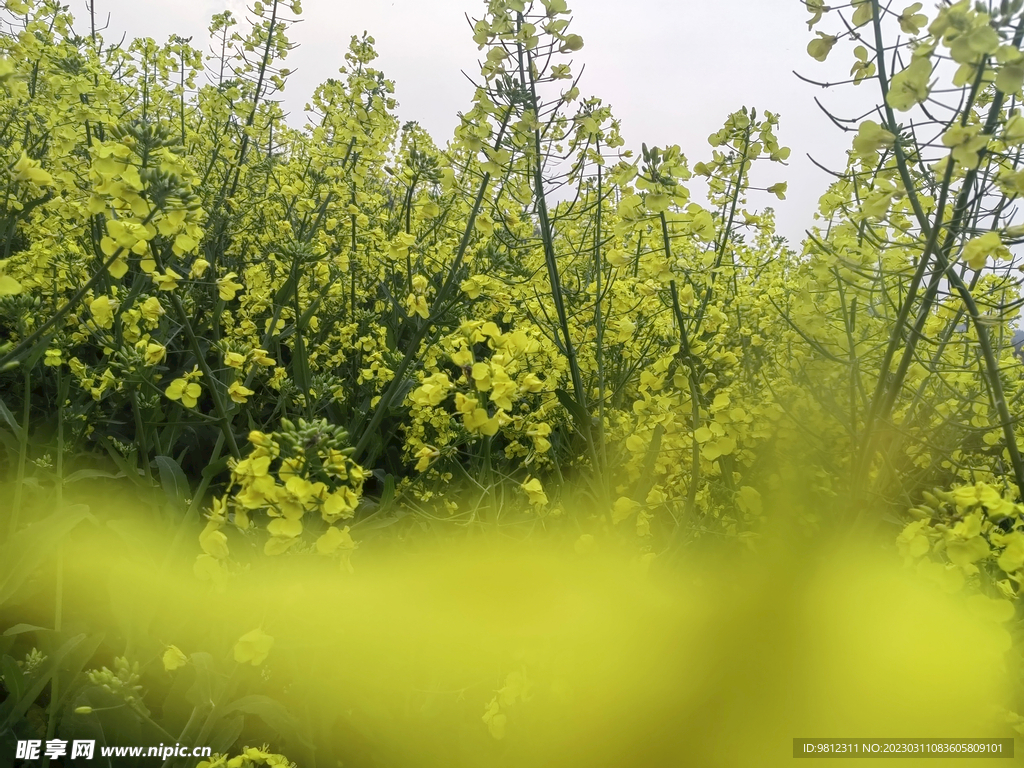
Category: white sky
[672,71]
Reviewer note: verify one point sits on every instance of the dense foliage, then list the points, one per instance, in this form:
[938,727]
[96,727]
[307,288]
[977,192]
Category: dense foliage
[308,338]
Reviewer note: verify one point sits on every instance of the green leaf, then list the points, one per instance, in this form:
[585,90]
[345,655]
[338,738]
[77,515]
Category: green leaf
[645,483]
[226,733]
[89,474]
[579,414]
[12,442]
[201,692]
[388,494]
[271,712]
[376,521]
[215,468]
[132,473]
[300,367]
[22,553]
[14,678]
[173,479]
[8,418]
[19,629]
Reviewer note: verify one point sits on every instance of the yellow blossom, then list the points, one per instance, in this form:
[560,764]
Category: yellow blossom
[154,353]
[102,311]
[335,539]
[168,281]
[910,86]
[978,249]
[27,169]
[199,267]
[238,392]
[253,647]
[870,138]
[9,286]
[186,391]
[152,309]
[535,491]
[173,658]
[227,286]
[234,359]
[820,47]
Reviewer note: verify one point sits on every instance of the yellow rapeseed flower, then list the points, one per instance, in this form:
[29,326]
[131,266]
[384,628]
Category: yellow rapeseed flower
[253,647]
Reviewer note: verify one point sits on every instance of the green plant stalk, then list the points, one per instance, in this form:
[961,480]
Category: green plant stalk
[885,391]
[726,232]
[904,311]
[193,509]
[182,104]
[58,607]
[284,295]
[849,324]
[216,212]
[488,474]
[251,119]
[932,233]
[300,361]
[526,70]
[412,351]
[684,340]
[352,261]
[599,321]
[992,375]
[204,366]
[186,730]
[22,454]
[57,316]
[944,339]
[143,437]
[217,704]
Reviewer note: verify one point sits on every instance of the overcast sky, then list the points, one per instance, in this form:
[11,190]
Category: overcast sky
[672,70]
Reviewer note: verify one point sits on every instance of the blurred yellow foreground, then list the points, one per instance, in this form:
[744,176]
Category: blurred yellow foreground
[544,654]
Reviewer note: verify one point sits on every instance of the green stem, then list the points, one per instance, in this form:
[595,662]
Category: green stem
[599,318]
[58,606]
[412,350]
[526,71]
[684,341]
[57,316]
[22,454]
